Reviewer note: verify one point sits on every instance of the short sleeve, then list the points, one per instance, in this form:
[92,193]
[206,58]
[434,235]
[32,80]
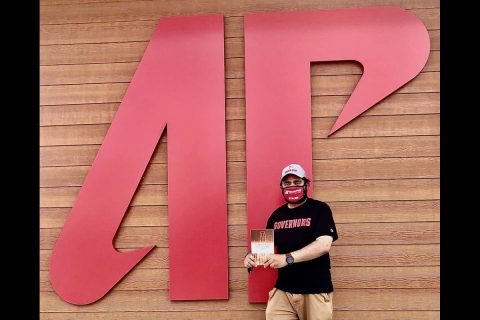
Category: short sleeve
[325,226]
[269,223]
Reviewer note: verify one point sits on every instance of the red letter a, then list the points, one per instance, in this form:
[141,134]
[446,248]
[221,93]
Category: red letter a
[180,81]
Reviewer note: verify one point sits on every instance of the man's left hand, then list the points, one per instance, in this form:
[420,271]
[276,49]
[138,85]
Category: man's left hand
[276,261]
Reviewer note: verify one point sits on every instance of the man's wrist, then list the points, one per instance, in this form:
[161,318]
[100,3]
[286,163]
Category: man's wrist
[289,259]
[294,255]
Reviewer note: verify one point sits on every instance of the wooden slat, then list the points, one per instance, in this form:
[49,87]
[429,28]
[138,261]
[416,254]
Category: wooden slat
[357,190]
[99,32]
[375,190]
[388,233]
[406,4]
[234,48]
[375,147]
[322,106]
[87,73]
[234,69]
[349,234]
[342,277]
[158,279]
[158,257]
[82,93]
[73,135]
[152,10]
[386,277]
[344,212]
[141,30]
[137,279]
[379,126]
[344,85]
[133,51]
[235,88]
[358,148]
[234,66]
[364,126]
[235,314]
[57,2]
[338,169]
[386,211]
[93,53]
[385,168]
[85,154]
[173,315]
[137,216]
[149,301]
[434,36]
[345,299]
[385,255]
[78,114]
[397,103]
[347,256]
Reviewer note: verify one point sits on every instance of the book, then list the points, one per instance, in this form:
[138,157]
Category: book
[262,244]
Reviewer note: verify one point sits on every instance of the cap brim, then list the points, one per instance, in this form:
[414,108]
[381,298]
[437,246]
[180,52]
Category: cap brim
[293,174]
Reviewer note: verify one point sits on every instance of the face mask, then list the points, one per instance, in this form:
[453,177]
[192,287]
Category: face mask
[293,194]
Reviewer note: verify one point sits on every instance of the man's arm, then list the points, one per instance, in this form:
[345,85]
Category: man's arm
[317,248]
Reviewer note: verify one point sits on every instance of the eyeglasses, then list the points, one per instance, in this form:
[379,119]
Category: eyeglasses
[296,183]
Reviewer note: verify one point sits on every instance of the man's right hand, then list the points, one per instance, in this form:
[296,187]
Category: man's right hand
[249,261]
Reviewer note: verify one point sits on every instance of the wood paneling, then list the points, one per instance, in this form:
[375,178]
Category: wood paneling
[141,30]
[376,147]
[345,212]
[363,126]
[385,255]
[405,4]
[357,190]
[234,69]
[349,234]
[235,88]
[379,174]
[338,169]
[153,10]
[344,148]
[343,277]
[322,106]
[235,314]
[133,51]
[351,256]
[345,299]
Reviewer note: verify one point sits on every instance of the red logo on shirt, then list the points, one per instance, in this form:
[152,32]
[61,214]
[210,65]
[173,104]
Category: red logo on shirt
[293,223]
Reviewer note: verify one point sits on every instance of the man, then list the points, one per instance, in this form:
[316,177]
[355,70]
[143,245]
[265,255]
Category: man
[304,231]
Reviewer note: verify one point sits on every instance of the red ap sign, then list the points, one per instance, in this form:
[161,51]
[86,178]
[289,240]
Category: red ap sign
[180,82]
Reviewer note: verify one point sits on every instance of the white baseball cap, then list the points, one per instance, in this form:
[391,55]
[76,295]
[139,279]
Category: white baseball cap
[294,169]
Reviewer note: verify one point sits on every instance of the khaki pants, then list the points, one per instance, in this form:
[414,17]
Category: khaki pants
[285,306]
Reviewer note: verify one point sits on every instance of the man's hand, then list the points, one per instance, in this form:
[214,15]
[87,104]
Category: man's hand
[249,261]
[276,261]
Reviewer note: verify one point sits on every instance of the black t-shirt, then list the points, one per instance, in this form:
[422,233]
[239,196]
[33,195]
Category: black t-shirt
[294,229]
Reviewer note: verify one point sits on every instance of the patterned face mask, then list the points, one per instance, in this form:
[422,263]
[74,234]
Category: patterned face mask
[294,194]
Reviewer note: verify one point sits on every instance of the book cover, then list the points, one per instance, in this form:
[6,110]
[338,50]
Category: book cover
[262,244]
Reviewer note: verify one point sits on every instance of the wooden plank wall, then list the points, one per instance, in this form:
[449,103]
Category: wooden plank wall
[380,173]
